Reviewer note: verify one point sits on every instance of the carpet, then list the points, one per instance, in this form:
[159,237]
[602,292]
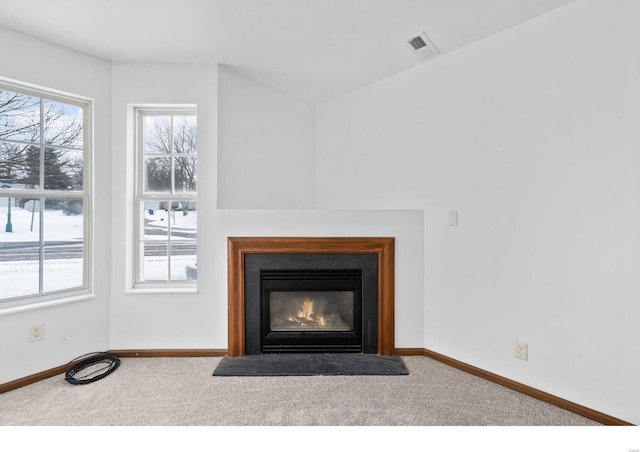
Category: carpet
[303,364]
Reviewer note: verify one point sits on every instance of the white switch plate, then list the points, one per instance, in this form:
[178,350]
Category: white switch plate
[453,218]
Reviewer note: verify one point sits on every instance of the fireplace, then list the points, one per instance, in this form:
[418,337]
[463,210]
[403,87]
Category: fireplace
[311,310]
[310,295]
[311,302]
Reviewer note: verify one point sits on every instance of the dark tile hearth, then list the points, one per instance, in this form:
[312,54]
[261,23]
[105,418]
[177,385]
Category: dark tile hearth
[307,364]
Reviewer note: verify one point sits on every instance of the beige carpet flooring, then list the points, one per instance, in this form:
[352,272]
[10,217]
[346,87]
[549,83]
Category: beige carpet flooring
[183,392]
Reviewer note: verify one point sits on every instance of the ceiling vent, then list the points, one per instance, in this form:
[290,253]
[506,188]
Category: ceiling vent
[421,45]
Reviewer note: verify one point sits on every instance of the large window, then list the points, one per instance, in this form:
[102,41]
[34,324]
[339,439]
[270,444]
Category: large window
[45,196]
[167,214]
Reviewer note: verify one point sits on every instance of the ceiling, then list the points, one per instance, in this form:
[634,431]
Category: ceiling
[312,49]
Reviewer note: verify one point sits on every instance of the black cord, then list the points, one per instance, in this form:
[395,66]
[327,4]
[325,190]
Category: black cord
[110,363]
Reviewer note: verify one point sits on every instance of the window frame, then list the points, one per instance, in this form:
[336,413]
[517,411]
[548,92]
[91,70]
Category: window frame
[139,284]
[41,193]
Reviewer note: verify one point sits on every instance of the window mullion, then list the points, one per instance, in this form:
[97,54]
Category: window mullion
[41,246]
[173,162]
[169,232]
[42,200]
[172,190]
[41,150]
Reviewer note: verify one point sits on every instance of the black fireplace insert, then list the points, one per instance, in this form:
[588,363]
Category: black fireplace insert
[310,303]
[311,310]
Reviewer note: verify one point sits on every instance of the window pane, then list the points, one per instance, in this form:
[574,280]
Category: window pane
[184,220]
[62,124]
[63,244]
[155,262]
[157,175]
[31,168]
[63,267]
[184,134]
[19,116]
[62,169]
[19,251]
[22,218]
[185,174]
[183,261]
[155,220]
[157,135]
[19,268]
[64,224]
[13,166]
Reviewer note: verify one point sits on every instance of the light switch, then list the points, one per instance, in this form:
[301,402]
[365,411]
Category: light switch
[453,218]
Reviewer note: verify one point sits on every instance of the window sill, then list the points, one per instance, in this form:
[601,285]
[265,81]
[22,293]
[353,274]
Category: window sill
[161,290]
[45,304]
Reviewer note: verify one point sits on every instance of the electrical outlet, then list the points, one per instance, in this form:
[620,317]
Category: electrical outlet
[521,351]
[36,333]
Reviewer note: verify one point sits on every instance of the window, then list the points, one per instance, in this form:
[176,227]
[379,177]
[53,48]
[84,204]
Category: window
[166,203]
[45,196]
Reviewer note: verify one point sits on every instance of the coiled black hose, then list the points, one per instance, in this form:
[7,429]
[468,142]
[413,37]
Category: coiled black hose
[76,372]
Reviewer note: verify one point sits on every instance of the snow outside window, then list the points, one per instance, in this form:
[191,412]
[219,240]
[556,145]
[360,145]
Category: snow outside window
[166,203]
[45,200]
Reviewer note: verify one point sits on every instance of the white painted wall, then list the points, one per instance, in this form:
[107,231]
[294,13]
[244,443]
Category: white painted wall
[80,327]
[160,320]
[532,136]
[266,146]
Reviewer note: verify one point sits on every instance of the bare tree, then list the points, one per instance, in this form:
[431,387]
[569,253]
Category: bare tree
[23,119]
[17,116]
[179,142]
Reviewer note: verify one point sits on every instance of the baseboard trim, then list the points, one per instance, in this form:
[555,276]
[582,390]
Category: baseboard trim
[26,381]
[515,386]
[170,353]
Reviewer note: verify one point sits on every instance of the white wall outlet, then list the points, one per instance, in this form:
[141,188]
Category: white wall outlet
[521,351]
[36,333]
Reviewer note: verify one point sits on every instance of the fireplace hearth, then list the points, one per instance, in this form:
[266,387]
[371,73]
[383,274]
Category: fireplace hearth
[307,295]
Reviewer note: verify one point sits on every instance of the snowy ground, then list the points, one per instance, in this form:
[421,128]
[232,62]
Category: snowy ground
[19,277]
[57,225]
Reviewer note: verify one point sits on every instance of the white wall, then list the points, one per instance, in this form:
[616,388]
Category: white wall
[532,136]
[266,146]
[159,320]
[80,327]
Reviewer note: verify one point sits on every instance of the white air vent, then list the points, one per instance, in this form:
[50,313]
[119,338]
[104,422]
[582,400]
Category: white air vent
[421,45]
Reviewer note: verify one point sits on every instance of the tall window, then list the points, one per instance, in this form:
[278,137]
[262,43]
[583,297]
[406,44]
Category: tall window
[45,196]
[167,214]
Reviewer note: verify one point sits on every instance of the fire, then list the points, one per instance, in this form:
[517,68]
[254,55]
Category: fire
[306,314]
[306,309]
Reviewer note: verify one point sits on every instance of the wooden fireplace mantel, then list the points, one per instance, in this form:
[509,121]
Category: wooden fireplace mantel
[238,247]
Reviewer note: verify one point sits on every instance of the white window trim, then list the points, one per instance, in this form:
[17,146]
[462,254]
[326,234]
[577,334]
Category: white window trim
[137,286]
[84,292]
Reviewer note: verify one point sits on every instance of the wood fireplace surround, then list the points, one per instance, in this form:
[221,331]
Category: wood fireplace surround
[238,247]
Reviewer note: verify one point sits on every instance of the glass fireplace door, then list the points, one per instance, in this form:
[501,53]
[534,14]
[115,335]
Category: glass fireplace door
[311,310]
